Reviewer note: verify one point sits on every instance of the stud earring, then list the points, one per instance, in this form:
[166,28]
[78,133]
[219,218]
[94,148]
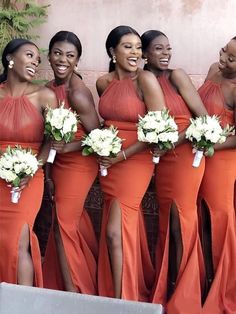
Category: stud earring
[114,59]
[11,64]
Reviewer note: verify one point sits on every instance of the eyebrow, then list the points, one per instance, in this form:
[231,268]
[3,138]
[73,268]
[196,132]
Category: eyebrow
[70,51]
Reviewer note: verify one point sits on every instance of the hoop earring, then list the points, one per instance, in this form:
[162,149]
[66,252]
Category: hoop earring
[11,64]
[114,59]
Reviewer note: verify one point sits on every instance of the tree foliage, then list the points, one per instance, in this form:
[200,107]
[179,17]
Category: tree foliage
[18,18]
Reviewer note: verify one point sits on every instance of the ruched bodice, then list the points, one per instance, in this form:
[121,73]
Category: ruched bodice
[20,121]
[213,99]
[120,102]
[175,103]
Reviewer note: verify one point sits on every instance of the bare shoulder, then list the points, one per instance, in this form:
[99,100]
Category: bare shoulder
[103,81]
[79,93]
[46,97]
[144,75]
[146,79]
[179,74]
[179,77]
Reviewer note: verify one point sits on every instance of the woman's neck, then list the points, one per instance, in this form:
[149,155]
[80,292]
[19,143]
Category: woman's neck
[63,81]
[120,74]
[16,89]
[229,76]
[157,72]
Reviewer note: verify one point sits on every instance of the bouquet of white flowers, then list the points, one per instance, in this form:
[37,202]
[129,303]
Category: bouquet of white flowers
[159,128]
[103,142]
[204,132]
[15,164]
[60,124]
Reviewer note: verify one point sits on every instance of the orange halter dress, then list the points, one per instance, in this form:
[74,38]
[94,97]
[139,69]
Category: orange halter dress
[126,183]
[177,184]
[73,176]
[217,191]
[20,124]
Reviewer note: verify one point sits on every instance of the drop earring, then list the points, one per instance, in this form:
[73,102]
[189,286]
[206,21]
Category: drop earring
[145,60]
[76,68]
[11,64]
[114,59]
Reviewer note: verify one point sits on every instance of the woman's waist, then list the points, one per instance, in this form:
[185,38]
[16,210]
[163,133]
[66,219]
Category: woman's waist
[121,125]
[80,133]
[182,121]
[26,145]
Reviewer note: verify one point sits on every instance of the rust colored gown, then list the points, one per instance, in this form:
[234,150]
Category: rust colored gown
[178,183]
[217,190]
[126,182]
[20,123]
[73,176]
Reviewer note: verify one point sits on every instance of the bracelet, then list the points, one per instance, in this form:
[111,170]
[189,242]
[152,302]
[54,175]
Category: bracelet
[123,152]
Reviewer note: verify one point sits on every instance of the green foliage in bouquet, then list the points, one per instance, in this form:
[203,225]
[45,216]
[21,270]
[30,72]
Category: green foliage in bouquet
[57,135]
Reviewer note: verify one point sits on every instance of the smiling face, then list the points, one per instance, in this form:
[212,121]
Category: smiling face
[227,61]
[158,53]
[63,58]
[26,61]
[128,52]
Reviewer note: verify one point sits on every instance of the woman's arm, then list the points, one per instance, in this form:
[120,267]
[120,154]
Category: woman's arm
[185,87]
[81,100]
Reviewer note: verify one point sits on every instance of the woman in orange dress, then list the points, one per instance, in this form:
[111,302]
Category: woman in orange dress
[22,123]
[125,270]
[70,261]
[178,252]
[218,93]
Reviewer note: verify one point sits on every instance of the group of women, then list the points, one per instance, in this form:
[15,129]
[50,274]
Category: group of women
[195,264]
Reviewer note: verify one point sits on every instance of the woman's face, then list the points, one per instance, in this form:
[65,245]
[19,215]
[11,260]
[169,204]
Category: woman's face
[26,61]
[63,58]
[227,61]
[158,53]
[128,52]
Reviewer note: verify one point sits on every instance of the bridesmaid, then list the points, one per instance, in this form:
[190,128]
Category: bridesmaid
[73,268]
[125,269]
[178,253]
[217,191]
[22,105]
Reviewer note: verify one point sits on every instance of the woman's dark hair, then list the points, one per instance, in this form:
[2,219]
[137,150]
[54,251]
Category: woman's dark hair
[66,36]
[10,48]
[234,38]
[147,38]
[114,38]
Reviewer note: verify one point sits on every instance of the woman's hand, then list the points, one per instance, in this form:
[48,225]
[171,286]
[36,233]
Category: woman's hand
[62,147]
[109,161]
[156,151]
[59,146]
[23,184]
